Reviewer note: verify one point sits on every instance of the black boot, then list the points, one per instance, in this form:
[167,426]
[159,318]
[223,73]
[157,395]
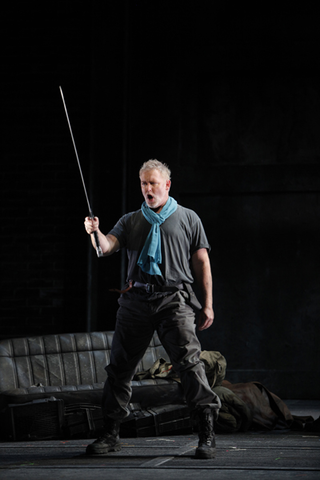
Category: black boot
[207,444]
[109,440]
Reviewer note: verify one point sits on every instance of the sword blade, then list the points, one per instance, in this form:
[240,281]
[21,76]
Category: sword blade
[96,238]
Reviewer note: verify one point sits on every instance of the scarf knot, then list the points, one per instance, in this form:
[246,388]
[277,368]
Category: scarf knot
[150,256]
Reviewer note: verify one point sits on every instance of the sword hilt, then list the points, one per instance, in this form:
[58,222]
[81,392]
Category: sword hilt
[96,239]
[98,248]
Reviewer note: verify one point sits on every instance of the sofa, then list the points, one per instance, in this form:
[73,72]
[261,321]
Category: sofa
[64,374]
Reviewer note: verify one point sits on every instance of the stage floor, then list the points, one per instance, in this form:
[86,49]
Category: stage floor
[277,455]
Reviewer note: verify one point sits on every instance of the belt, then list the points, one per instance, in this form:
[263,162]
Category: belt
[150,288]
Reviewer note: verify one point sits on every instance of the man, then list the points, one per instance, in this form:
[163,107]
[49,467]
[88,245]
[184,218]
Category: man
[167,249]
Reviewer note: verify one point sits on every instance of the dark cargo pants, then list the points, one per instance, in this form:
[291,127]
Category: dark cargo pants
[139,315]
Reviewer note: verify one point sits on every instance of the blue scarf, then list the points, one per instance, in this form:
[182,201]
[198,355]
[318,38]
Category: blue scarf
[150,255]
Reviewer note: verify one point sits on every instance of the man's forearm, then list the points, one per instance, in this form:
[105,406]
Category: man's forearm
[204,281]
[108,243]
[206,286]
[202,272]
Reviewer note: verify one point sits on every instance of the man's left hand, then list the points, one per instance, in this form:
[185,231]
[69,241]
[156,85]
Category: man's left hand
[206,317]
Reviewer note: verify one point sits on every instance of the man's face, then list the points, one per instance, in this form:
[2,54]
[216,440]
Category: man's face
[155,189]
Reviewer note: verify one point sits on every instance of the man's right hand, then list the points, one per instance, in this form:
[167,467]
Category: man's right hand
[91,224]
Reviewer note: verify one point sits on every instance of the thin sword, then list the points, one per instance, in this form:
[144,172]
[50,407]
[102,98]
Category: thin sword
[95,234]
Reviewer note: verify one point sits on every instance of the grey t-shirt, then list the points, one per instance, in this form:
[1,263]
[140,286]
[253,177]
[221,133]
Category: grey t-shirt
[181,235]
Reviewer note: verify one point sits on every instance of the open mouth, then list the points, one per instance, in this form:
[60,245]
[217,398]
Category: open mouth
[150,197]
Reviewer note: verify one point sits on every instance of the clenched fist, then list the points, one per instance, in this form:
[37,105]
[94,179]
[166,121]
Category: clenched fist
[91,224]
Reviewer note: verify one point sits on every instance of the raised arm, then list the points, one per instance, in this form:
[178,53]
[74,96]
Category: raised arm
[202,272]
[109,243]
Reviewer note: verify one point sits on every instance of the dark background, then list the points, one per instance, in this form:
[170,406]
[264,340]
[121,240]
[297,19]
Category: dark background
[229,98]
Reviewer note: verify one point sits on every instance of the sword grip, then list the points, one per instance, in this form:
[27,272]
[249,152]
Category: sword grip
[98,248]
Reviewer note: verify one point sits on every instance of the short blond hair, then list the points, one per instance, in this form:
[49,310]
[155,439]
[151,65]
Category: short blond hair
[155,164]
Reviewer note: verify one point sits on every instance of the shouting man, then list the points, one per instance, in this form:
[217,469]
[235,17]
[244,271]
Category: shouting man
[167,251]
